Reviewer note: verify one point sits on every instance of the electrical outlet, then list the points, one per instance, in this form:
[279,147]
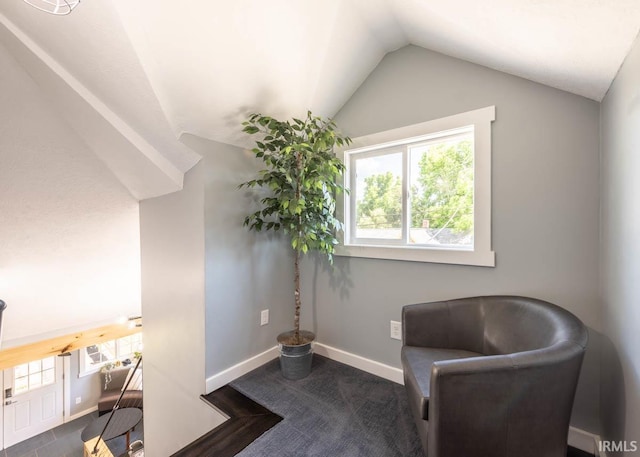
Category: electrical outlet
[396,330]
[78,400]
[264,317]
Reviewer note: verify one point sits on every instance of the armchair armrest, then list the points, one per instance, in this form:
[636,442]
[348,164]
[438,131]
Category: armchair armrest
[469,406]
[508,399]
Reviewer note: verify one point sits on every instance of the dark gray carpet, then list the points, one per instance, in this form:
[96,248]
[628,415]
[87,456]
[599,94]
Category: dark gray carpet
[336,411]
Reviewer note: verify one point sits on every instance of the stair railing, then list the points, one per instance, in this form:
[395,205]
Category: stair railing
[117,405]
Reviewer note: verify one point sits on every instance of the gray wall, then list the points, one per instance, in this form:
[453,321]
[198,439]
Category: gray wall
[204,281]
[620,219]
[86,387]
[545,208]
[245,272]
[173,306]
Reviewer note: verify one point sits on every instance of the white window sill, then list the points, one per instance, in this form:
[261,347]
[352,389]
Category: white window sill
[419,254]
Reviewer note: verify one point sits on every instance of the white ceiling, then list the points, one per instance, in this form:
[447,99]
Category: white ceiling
[154,69]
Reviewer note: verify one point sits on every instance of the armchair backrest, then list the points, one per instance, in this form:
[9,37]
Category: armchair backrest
[491,325]
[118,378]
[518,324]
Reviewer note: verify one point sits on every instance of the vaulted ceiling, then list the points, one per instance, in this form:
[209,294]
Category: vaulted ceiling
[132,76]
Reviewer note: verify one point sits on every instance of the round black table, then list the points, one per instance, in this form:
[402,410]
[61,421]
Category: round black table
[123,421]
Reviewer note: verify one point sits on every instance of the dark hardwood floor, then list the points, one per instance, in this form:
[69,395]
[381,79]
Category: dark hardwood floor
[247,421]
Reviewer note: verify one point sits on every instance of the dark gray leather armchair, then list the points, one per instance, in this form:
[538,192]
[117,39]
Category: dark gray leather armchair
[492,376]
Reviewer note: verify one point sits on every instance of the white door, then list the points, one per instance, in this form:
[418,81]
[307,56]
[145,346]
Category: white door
[32,399]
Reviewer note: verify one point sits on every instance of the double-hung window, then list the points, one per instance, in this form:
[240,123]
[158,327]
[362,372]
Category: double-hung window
[422,192]
[94,357]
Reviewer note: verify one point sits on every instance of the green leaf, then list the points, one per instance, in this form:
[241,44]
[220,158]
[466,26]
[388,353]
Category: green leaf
[250,129]
[299,175]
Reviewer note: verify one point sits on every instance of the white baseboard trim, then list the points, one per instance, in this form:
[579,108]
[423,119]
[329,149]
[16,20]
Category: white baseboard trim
[356,361]
[226,376]
[370,366]
[80,414]
[585,441]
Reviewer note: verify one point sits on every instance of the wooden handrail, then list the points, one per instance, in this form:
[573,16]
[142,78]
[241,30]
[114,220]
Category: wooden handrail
[14,356]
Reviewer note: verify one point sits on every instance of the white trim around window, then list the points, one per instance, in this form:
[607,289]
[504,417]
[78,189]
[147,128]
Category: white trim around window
[133,343]
[480,253]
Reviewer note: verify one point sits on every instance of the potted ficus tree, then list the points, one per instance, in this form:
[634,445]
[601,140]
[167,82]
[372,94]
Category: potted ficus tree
[301,175]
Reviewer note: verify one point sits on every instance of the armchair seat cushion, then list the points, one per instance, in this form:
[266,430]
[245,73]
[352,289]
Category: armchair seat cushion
[417,374]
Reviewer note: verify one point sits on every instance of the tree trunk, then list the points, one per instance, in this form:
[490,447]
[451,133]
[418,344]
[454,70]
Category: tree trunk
[296,319]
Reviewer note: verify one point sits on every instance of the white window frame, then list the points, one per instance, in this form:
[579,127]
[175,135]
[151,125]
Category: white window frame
[40,371]
[481,254]
[85,370]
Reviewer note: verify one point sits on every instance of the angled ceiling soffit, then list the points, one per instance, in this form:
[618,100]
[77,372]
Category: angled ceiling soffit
[139,166]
